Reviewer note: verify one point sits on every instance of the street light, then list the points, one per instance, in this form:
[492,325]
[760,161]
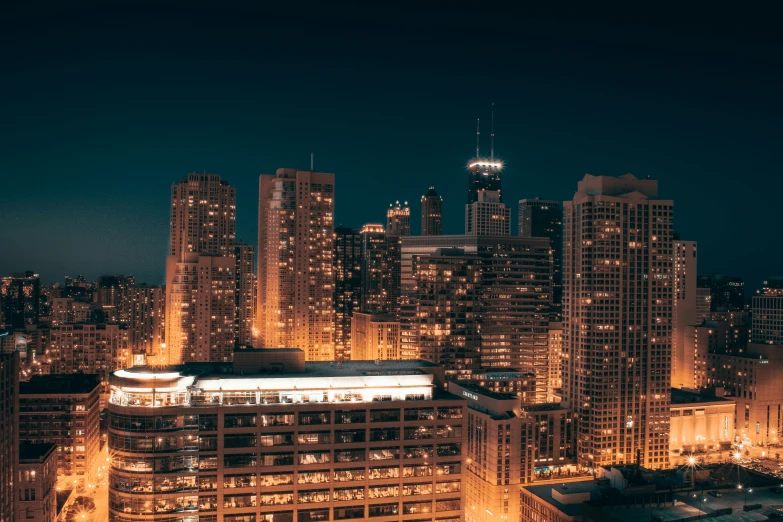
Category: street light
[692,464]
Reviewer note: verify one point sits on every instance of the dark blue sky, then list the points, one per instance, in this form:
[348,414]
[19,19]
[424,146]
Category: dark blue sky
[102,108]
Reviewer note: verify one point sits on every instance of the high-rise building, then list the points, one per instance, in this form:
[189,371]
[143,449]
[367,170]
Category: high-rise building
[20,300]
[618,284]
[9,433]
[36,485]
[374,337]
[295,262]
[315,441]
[112,297]
[555,383]
[398,219]
[484,175]
[68,310]
[487,216]
[685,308]
[201,271]
[147,324]
[63,410]
[768,313]
[381,271]
[347,287]
[727,293]
[544,218]
[431,213]
[245,294]
[703,298]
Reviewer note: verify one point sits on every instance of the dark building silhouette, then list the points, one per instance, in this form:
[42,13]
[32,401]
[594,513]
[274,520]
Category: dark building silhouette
[347,287]
[544,218]
[727,293]
[20,300]
[431,213]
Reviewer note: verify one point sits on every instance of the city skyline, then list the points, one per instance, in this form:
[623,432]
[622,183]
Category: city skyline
[107,161]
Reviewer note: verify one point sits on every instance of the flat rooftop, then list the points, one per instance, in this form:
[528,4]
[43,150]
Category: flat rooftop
[692,397]
[544,492]
[35,450]
[481,390]
[60,384]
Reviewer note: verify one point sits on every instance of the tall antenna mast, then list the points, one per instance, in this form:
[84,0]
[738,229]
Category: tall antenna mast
[312,161]
[492,137]
[478,133]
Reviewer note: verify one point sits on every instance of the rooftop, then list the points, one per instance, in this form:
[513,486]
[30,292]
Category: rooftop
[680,396]
[35,450]
[544,492]
[65,384]
[481,390]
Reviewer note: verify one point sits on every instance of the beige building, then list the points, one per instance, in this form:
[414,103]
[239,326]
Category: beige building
[374,337]
[201,271]
[701,421]
[36,494]
[68,310]
[314,442]
[618,284]
[295,262]
[487,216]
[685,312]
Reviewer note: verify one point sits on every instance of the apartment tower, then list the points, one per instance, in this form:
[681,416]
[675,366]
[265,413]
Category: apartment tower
[347,287]
[618,301]
[431,213]
[295,262]
[245,295]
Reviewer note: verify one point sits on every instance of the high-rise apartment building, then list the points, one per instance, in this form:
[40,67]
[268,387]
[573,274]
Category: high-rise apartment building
[112,298]
[555,383]
[9,433]
[201,271]
[618,300]
[544,218]
[314,442]
[703,299]
[245,293]
[487,216]
[295,262]
[347,287]
[398,219]
[381,271]
[147,323]
[19,300]
[768,313]
[35,487]
[375,337]
[727,293]
[69,310]
[431,213]
[685,305]
[64,410]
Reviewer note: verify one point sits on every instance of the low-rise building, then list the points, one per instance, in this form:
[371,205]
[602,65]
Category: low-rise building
[701,420]
[36,495]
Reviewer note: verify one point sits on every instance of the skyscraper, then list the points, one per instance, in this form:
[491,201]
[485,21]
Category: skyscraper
[727,293]
[374,337]
[19,300]
[398,219]
[113,298]
[347,287]
[768,313]
[295,262]
[245,295]
[544,218]
[380,271]
[201,271]
[685,310]
[487,216]
[431,213]
[483,175]
[618,282]
[9,433]
[147,306]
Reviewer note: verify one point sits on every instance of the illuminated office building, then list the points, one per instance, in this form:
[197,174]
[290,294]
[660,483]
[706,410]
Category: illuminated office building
[381,271]
[347,287]
[431,213]
[295,262]
[314,441]
[398,219]
[201,271]
[618,293]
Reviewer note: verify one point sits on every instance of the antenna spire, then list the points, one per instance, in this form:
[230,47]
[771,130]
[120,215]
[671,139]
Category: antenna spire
[478,133]
[312,162]
[492,136]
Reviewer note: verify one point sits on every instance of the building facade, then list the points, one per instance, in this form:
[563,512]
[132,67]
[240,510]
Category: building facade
[265,451]
[245,293]
[9,434]
[767,308]
[398,219]
[381,271]
[63,410]
[617,320]
[484,175]
[431,213]
[700,422]
[544,218]
[295,262]
[487,216]
[684,309]
[36,484]
[201,271]
[19,300]
[727,293]
[555,382]
[375,337]
[347,287]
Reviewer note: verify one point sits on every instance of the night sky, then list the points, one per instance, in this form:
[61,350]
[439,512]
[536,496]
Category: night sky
[103,107]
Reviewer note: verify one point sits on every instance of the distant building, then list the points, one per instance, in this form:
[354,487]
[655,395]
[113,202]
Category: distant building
[727,293]
[9,434]
[544,218]
[63,410]
[381,271]
[703,307]
[398,219]
[112,296]
[375,337]
[36,493]
[768,313]
[701,421]
[618,298]
[295,262]
[487,216]
[19,300]
[555,382]
[347,287]
[147,323]
[67,310]
[245,293]
[431,213]
[484,174]
[685,306]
